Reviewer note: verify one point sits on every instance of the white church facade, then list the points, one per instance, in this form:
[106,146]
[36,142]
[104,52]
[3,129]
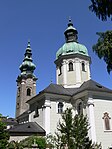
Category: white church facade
[74,88]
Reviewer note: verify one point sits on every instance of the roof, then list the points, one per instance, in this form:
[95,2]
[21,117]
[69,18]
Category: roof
[30,127]
[92,86]
[27,66]
[56,89]
[70,27]
[24,114]
[89,85]
[10,121]
[53,89]
[72,48]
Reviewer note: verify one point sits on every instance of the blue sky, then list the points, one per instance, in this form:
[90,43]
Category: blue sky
[43,22]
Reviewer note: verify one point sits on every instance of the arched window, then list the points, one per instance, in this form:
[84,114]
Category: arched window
[83,66]
[60,70]
[70,66]
[106,121]
[60,107]
[80,108]
[28,92]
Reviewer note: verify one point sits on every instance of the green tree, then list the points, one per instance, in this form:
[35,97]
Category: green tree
[103,48]
[102,8]
[73,132]
[31,141]
[4,136]
[65,128]
[50,141]
[14,145]
[80,129]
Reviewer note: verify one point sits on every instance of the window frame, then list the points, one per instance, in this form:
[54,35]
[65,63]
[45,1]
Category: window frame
[60,107]
[28,92]
[60,70]
[106,121]
[80,108]
[70,66]
[83,66]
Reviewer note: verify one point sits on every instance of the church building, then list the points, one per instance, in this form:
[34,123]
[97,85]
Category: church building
[74,88]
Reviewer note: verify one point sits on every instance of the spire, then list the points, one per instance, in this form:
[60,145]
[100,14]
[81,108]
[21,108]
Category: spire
[70,22]
[27,66]
[70,32]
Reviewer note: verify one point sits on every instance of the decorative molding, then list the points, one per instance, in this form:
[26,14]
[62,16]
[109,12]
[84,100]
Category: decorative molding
[90,102]
[46,104]
[22,82]
[64,62]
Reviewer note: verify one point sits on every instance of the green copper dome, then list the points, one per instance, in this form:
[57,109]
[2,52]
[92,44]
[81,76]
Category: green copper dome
[27,66]
[71,46]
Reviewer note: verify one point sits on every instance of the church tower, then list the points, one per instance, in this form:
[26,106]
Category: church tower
[26,82]
[72,60]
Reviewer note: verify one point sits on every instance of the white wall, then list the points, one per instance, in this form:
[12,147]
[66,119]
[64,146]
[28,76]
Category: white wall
[17,138]
[38,119]
[55,116]
[73,78]
[100,107]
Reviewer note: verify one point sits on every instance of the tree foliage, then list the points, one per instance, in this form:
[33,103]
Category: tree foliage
[102,8]
[66,129]
[51,141]
[31,141]
[4,136]
[80,129]
[73,132]
[14,145]
[103,48]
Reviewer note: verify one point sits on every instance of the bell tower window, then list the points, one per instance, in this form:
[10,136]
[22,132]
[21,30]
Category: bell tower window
[106,121]
[28,92]
[70,66]
[83,66]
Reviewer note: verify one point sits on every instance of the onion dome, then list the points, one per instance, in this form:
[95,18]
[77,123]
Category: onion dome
[27,66]
[71,46]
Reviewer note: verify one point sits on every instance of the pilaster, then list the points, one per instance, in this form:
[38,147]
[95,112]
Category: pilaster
[78,73]
[91,119]
[64,73]
[46,117]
